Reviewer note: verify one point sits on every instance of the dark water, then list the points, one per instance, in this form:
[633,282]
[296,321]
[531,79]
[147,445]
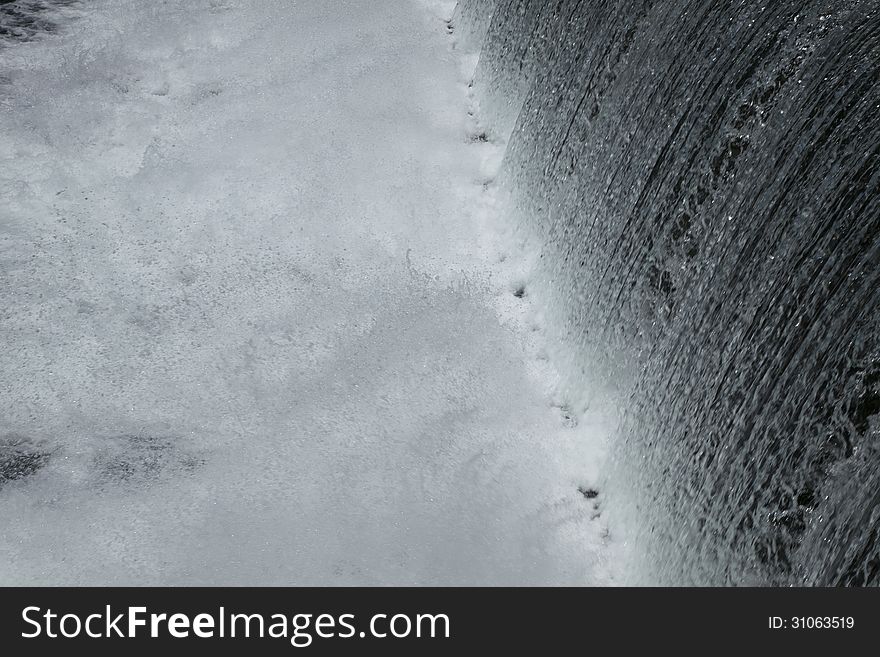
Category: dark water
[705,180]
[24,20]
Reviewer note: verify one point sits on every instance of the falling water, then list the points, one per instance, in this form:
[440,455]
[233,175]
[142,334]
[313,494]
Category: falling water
[703,180]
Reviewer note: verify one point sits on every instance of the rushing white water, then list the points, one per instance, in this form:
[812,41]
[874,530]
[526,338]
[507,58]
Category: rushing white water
[260,321]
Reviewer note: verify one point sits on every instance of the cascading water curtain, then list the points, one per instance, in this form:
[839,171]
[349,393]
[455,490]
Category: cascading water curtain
[703,178]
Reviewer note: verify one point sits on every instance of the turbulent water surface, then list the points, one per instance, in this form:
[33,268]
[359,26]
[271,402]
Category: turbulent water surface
[257,324]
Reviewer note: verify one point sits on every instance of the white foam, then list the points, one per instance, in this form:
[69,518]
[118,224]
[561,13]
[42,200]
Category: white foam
[258,306]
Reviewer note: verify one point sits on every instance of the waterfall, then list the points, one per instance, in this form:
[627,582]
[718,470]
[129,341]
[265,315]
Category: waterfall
[702,177]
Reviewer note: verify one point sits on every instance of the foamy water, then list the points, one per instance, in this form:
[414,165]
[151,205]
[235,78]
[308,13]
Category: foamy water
[262,321]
